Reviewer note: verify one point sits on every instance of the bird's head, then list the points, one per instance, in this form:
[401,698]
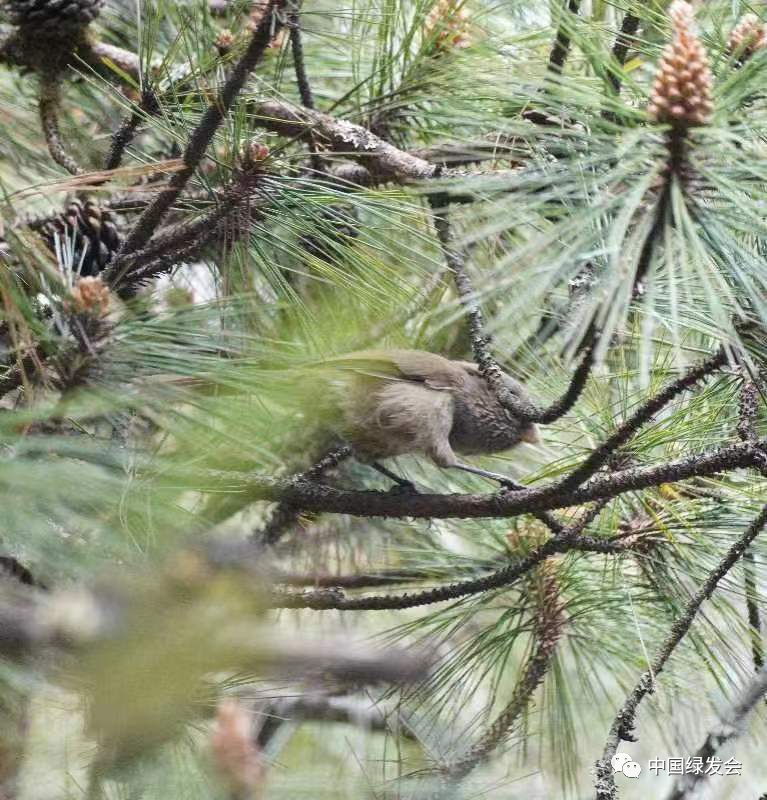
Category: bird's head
[529,432]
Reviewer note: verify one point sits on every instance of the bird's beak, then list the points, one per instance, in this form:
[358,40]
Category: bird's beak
[531,435]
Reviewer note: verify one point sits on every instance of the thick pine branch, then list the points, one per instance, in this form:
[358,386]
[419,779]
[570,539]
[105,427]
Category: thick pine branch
[310,496]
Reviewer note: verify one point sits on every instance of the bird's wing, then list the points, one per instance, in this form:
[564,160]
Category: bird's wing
[416,366]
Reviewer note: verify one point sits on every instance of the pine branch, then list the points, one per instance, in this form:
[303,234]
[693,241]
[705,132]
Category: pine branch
[398,576]
[321,708]
[747,409]
[18,373]
[167,246]
[285,515]
[641,417]
[334,598]
[99,54]
[383,160]
[623,41]
[623,725]
[361,580]
[309,496]
[203,133]
[751,590]
[299,66]
[547,631]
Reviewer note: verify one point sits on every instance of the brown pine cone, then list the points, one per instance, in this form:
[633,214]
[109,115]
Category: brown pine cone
[86,231]
[53,16]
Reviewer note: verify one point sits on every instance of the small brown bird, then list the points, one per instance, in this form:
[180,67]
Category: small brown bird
[399,402]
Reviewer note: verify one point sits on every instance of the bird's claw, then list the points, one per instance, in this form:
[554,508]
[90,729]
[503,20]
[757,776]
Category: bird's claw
[404,488]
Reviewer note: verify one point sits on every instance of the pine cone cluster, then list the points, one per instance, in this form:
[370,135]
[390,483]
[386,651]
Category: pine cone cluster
[53,16]
[681,93]
[748,36]
[448,23]
[89,296]
[224,41]
[88,232]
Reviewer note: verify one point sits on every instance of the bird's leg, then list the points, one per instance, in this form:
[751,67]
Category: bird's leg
[504,480]
[403,484]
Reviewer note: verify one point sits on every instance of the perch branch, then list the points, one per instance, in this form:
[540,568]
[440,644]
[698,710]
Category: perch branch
[309,496]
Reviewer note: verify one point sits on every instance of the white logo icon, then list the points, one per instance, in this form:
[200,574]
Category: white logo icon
[623,763]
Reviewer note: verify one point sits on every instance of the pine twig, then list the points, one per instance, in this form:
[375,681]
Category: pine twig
[731,726]
[345,709]
[640,417]
[628,31]
[302,78]
[623,724]
[169,245]
[489,367]
[50,101]
[389,577]
[125,134]
[561,48]
[751,591]
[334,598]
[747,411]
[299,66]
[361,580]
[747,408]
[285,514]
[203,134]
[547,631]
[17,373]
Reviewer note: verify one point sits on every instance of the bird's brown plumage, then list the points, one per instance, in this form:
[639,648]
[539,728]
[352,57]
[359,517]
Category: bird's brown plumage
[398,402]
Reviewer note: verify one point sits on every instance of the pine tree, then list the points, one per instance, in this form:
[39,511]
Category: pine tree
[219,219]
